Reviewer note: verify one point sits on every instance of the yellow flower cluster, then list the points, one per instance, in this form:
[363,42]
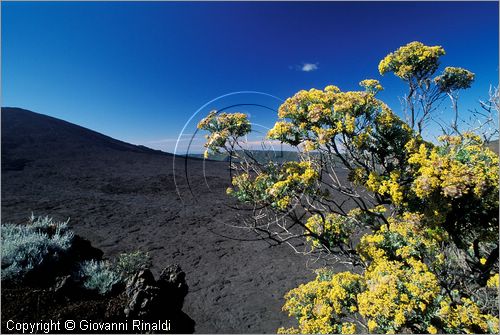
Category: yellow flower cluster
[396,290]
[389,186]
[462,165]
[432,330]
[221,127]
[355,103]
[321,304]
[295,178]
[348,328]
[400,286]
[466,316]
[316,116]
[371,85]
[299,105]
[404,237]
[454,78]
[386,118]
[281,129]
[397,293]
[493,281]
[290,330]
[414,60]
[332,228]
[310,145]
[276,187]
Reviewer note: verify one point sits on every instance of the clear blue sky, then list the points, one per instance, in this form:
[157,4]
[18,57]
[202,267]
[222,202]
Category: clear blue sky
[138,71]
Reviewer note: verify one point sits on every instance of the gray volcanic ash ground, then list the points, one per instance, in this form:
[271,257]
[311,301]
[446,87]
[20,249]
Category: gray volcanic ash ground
[122,197]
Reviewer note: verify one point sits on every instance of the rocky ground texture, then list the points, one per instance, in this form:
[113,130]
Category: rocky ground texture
[123,198]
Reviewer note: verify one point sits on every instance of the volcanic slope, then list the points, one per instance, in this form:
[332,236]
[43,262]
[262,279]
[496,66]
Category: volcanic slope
[123,197]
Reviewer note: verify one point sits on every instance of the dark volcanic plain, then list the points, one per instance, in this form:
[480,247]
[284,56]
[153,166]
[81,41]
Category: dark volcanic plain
[123,197]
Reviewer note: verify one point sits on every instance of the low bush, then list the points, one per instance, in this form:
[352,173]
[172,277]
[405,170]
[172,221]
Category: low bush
[43,242]
[99,276]
[29,247]
[128,264]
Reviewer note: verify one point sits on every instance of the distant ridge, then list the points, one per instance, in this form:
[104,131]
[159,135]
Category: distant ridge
[28,136]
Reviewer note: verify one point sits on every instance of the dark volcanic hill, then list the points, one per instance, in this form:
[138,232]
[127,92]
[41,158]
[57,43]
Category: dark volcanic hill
[33,136]
[123,197]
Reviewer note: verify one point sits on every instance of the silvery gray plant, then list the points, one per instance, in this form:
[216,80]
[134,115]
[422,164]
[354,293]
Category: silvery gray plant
[27,247]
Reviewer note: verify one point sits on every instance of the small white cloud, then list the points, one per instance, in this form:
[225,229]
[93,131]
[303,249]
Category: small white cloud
[308,67]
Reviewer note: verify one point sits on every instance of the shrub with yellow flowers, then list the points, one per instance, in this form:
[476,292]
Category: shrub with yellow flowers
[414,60]
[278,186]
[414,221]
[223,128]
[325,304]
[457,181]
